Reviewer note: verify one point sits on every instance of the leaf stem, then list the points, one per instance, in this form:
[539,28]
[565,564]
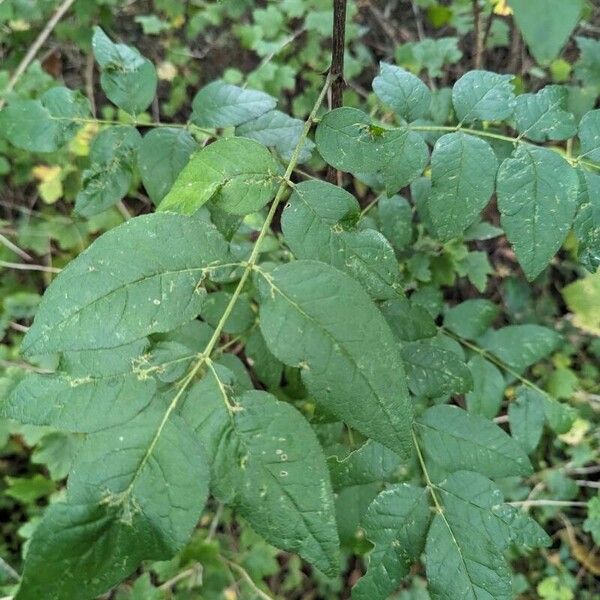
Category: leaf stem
[247,578]
[496,136]
[428,481]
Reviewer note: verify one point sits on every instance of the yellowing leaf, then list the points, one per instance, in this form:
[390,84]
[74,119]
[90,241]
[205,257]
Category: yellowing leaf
[583,299]
[80,144]
[50,186]
[502,9]
[576,434]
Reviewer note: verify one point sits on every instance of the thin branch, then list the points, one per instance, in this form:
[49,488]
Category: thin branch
[14,248]
[35,47]
[478,53]
[21,267]
[247,578]
[9,570]
[526,503]
[336,71]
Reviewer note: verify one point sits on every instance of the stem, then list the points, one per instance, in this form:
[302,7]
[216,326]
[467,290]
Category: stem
[22,267]
[336,70]
[35,47]
[497,136]
[478,55]
[428,481]
[9,570]
[247,578]
[527,503]
[248,267]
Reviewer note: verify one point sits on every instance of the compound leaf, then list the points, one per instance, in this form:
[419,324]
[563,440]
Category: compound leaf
[326,231]
[463,175]
[485,398]
[456,439]
[240,175]
[317,318]
[161,156]
[221,104]
[128,79]
[537,198]
[125,286]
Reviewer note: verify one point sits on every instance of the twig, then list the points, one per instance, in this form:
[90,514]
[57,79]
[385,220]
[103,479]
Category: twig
[123,210]
[9,570]
[247,578]
[527,503]
[418,22]
[21,267]
[477,58]
[35,47]
[336,70]
[6,242]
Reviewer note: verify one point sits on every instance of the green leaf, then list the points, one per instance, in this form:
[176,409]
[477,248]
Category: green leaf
[463,175]
[83,400]
[483,96]
[409,321]
[112,158]
[592,521]
[221,104]
[587,67]
[370,463]
[277,130]
[402,91]
[128,500]
[463,552]
[241,318]
[394,215]
[161,156]
[560,417]
[267,463]
[471,319]
[326,231]
[124,286]
[546,25]
[44,125]
[347,139]
[239,174]
[128,79]
[520,346]
[433,371]
[485,398]
[396,522]
[526,417]
[583,299]
[537,198]
[456,439]
[319,319]
[543,116]
[589,135]
[266,367]
[587,220]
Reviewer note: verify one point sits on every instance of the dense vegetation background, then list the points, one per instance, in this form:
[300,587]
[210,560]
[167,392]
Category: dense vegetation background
[283,47]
